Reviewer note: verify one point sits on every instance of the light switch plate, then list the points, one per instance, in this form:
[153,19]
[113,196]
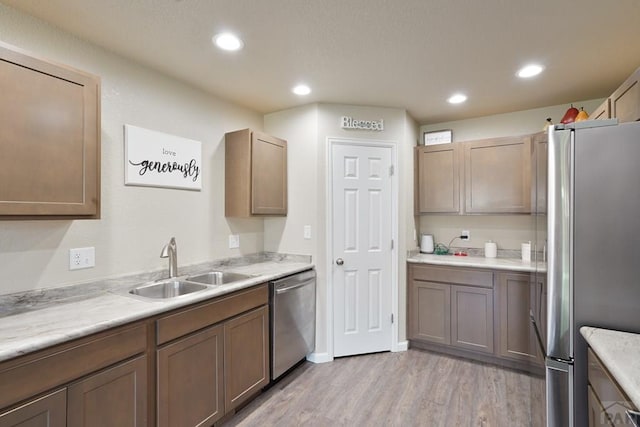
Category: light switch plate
[234,241]
[81,258]
[307,232]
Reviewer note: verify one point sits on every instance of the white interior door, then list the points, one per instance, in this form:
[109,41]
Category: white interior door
[362,248]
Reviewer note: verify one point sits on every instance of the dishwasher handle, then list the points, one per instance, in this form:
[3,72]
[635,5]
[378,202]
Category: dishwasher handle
[292,287]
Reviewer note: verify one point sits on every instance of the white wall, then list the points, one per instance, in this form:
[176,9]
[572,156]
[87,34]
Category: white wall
[136,222]
[507,230]
[307,130]
[508,124]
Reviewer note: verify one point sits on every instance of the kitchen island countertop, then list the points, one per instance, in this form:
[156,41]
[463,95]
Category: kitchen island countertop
[60,321]
[619,352]
[512,264]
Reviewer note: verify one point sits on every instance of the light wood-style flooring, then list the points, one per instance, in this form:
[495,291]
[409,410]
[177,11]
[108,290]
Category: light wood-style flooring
[412,388]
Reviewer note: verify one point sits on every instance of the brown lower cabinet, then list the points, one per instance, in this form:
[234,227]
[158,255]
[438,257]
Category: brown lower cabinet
[246,356]
[114,397]
[209,373]
[476,313]
[184,368]
[518,295]
[190,379]
[472,318]
[607,401]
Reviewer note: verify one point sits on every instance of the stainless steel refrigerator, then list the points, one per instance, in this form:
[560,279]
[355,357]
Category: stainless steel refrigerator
[593,262]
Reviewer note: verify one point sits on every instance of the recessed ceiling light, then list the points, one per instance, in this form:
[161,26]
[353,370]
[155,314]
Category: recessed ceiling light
[529,71]
[301,90]
[458,98]
[228,41]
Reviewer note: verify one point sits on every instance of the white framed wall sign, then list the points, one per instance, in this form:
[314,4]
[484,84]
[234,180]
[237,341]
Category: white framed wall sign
[157,159]
[438,137]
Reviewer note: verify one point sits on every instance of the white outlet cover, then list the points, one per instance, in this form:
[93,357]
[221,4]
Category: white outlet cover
[234,241]
[307,232]
[81,258]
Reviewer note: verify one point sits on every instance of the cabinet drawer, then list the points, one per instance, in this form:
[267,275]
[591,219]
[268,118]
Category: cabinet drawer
[190,320]
[613,400]
[20,379]
[452,275]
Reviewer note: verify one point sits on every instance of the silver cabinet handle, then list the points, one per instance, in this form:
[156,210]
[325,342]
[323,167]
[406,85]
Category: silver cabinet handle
[339,261]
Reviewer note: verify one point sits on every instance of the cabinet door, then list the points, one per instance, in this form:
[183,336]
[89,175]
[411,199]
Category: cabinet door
[437,179]
[603,111]
[516,297]
[47,411]
[115,397]
[190,380]
[246,356]
[625,101]
[498,175]
[430,312]
[597,415]
[50,139]
[268,175]
[472,318]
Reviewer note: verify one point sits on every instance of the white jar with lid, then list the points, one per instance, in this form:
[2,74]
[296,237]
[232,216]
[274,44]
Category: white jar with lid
[490,249]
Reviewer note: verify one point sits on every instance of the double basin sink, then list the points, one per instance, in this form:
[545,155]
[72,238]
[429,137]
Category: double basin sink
[178,286]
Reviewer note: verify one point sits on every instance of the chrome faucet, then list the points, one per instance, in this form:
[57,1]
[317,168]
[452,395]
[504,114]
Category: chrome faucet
[170,251]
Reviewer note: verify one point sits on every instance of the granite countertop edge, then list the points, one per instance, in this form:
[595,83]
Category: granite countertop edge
[619,352]
[62,321]
[511,264]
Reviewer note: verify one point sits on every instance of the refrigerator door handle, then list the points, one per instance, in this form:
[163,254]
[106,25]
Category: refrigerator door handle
[559,253]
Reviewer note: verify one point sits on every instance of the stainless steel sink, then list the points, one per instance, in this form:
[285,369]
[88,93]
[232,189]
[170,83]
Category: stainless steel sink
[167,289]
[218,277]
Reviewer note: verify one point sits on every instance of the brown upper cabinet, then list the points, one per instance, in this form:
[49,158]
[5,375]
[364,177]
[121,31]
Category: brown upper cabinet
[623,104]
[50,140]
[438,179]
[255,174]
[603,111]
[625,101]
[497,175]
[490,176]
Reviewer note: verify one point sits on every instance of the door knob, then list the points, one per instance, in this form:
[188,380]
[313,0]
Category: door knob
[339,261]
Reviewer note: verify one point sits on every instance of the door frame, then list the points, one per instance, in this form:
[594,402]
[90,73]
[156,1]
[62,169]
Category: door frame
[361,142]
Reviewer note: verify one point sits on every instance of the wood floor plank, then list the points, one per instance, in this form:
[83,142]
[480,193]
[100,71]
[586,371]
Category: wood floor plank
[412,388]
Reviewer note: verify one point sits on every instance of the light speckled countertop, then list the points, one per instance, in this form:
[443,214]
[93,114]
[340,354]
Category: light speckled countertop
[56,321]
[620,353]
[513,264]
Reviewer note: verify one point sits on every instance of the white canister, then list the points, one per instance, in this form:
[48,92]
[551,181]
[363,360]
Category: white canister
[490,249]
[426,244]
[526,252]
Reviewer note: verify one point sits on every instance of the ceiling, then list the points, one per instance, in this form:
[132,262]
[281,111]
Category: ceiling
[409,54]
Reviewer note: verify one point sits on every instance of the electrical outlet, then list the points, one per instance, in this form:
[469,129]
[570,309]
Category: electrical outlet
[307,232]
[234,241]
[465,235]
[80,258]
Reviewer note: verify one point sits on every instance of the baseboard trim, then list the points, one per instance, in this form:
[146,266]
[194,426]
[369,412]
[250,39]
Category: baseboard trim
[319,358]
[402,346]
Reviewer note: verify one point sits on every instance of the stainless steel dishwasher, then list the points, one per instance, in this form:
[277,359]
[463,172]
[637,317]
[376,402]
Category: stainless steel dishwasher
[292,303]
